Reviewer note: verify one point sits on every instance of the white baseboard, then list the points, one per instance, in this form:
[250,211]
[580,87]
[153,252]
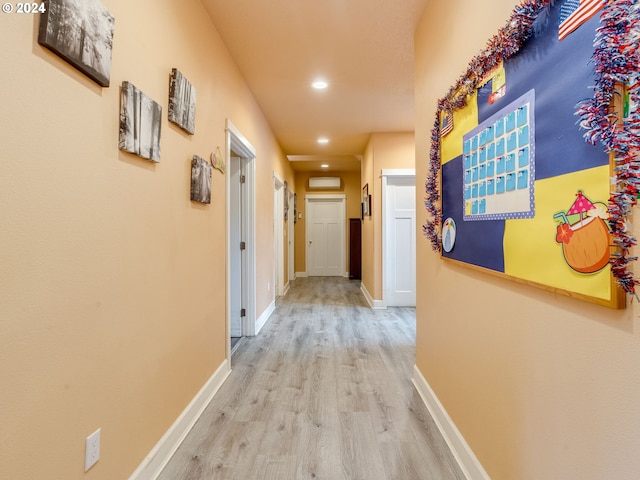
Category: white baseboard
[260,322]
[301,274]
[374,304]
[161,453]
[461,451]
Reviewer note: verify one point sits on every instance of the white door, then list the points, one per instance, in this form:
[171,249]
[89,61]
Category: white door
[291,246]
[399,269]
[240,226]
[237,254]
[325,236]
[278,232]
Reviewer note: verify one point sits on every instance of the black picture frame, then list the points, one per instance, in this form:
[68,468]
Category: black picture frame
[366,201]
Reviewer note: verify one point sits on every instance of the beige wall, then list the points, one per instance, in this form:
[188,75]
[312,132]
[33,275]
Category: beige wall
[350,188]
[384,151]
[112,281]
[541,386]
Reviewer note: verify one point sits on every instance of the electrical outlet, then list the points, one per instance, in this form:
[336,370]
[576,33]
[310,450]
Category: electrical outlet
[92,450]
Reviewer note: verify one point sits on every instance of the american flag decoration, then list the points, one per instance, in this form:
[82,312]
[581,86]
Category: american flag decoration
[576,12]
[446,122]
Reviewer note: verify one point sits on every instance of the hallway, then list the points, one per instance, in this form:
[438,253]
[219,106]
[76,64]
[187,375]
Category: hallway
[324,392]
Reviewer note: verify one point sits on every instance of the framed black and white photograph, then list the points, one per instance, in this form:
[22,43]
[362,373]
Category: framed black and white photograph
[140,121]
[80,32]
[201,180]
[182,102]
[286,201]
[366,201]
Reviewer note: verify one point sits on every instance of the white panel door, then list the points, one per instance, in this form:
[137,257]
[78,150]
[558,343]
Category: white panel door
[325,237]
[237,260]
[400,241]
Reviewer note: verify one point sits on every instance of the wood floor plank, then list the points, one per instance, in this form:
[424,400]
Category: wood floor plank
[324,392]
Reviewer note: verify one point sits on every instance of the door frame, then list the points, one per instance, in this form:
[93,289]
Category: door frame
[386,173]
[278,236]
[291,240]
[237,143]
[236,167]
[343,200]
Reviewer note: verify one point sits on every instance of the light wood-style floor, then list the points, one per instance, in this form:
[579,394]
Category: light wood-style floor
[324,392]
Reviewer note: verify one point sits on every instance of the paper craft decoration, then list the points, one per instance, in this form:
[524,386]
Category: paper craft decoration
[80,32]
[585,240]
[217,161]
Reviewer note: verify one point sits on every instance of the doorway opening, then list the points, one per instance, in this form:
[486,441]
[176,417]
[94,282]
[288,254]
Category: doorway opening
[399,238]
[241,245]
[278,236]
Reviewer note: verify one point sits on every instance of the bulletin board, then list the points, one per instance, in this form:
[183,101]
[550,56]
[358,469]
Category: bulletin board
[514,188]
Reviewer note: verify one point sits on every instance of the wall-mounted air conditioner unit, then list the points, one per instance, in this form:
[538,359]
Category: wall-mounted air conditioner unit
[324,183]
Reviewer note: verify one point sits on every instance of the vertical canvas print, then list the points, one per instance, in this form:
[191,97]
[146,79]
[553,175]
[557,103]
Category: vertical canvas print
[140,120]
[182,102]
[200,180]
[81,32]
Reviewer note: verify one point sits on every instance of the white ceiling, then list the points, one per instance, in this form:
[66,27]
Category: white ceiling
[363,48]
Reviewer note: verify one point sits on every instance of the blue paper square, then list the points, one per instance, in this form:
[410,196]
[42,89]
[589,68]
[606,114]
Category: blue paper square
[510,162]
[500,165]
[511,182]
[500,147]
[510,121]
[523,115]
[512,141]
[491,187]
[523,157]
[491,168]
[523,136]
[482,208]
[491,151]
[500,185]
[523,179]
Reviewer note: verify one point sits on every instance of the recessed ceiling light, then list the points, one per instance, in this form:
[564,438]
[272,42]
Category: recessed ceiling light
[323,140]
[324,165]
[319,84]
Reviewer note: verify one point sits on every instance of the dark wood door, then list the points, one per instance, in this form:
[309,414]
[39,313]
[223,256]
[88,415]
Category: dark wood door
[355,248]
